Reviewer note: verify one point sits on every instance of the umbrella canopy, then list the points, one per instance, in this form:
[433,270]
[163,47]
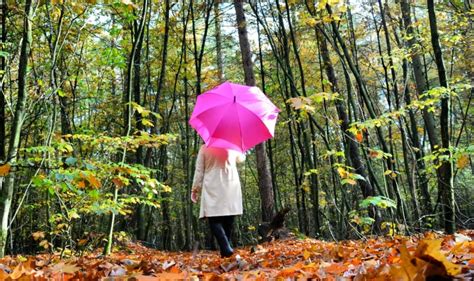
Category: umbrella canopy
[234,116]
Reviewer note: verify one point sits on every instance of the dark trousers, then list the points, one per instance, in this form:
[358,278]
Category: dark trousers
[221,228]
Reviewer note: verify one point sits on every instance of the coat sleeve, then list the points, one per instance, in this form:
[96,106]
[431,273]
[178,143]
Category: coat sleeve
[199,170]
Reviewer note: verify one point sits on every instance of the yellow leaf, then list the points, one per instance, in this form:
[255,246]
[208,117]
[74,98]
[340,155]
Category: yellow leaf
[166,188]
[44,244]
[306,255]
[407,270]
[322,4]
[351,181]
[462,162]
[430,250]
[18,271]
[4,170]
[147,122]
[333,2]
[342,172]
[38,235]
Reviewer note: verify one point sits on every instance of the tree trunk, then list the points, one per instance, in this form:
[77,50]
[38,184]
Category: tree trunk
[7,190]
[217,23]
[264,177]
[348,137]
[445,171]
[420,82]
[2,85]
[127,98]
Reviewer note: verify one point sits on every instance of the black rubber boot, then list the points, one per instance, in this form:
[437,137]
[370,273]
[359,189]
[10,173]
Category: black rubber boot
[224,245]
[227,224]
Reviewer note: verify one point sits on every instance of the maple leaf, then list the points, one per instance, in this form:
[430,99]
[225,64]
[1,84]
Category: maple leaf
[429,250]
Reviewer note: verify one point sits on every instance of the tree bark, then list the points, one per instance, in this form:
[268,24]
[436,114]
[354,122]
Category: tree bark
[218,35]
[264,177]
[427,116]
[445,171]
[348,137]
[127,98]
[7,190]
[2,84]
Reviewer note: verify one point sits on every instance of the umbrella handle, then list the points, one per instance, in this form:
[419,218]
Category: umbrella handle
[234,98]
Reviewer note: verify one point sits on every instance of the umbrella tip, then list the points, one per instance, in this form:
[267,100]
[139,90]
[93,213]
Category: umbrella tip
[234,99]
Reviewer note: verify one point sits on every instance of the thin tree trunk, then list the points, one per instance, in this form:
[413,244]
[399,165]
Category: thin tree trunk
[309,158]
[217,23]
[445,171]
[393,166]
[6,194]
[348,137]
[427,116]
[264,177]
[2,85]
[127,96]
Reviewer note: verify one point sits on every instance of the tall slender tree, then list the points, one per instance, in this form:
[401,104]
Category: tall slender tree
[3,65]
[263,170]
[6,194]
[445,170]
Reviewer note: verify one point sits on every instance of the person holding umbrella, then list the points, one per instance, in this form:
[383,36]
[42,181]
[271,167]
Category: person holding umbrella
[231,119]
[217,179]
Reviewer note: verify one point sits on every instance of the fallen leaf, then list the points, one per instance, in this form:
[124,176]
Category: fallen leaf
[66,268]
[430,250]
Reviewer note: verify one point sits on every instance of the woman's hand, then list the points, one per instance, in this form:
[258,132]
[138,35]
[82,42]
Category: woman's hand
[195,194]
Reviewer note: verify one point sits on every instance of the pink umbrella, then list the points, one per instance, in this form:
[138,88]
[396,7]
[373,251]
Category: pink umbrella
[234,116]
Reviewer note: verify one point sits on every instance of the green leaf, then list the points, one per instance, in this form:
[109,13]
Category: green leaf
[379,201]
[71,161]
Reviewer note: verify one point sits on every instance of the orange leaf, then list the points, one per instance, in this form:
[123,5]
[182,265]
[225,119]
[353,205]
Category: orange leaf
[81,184]
[336,269]
[462,162]
[4,170]
[165,276]
[373,154]
[359,137]
[118,182]
[3,275]
[18,272]
[95,183]
[66,268]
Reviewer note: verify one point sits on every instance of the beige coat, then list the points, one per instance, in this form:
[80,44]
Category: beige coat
[217,177]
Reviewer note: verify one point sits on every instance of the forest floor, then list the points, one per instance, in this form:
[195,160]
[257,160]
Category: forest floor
[418,257]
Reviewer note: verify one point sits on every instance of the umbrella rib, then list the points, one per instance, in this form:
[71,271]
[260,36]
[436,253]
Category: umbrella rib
[215,128]
[253,113]
[240,128]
